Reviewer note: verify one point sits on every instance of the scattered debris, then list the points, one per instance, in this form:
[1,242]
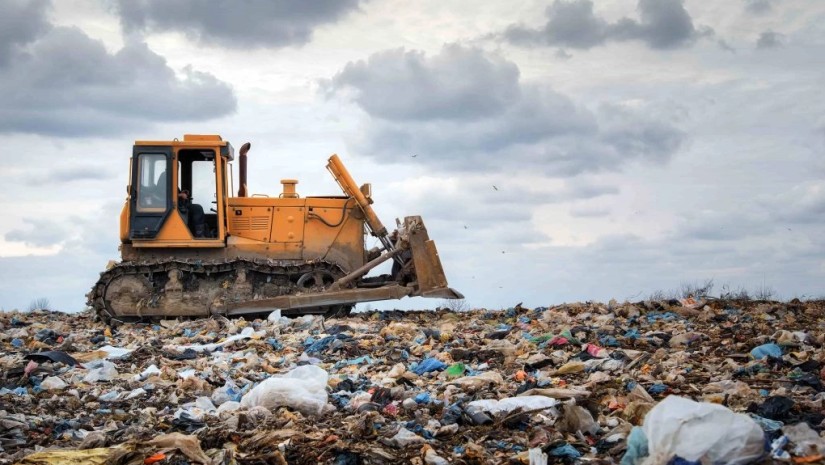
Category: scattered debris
[727,381]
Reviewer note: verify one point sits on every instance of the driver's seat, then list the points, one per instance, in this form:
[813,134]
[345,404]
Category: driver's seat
[193,216]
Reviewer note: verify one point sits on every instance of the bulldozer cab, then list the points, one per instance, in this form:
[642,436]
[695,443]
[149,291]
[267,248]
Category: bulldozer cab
[178,192]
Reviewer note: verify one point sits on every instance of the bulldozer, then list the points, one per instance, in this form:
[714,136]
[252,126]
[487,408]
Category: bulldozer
[251,254]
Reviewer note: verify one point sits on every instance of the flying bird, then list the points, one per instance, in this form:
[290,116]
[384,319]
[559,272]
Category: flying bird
[494,187]
[415,155]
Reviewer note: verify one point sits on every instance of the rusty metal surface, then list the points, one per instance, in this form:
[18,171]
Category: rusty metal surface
[321,299]
[170,288]
[428,269]
[355,274]
[443,293]
[350,188]
[242,189]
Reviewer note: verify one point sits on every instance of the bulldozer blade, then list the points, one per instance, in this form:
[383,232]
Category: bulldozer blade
[432,282]
[320,299]
[443,293]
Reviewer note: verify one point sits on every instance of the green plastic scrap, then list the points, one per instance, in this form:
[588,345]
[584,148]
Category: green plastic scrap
[455,370]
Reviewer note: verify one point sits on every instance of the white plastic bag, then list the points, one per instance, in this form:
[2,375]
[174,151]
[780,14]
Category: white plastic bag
[197,410]
[577,418]
[229,406]
[115,353]
[229,392]
[145,374]
[509,404]
[405,437]
[303,389]
[53,383]
[806,441]
[474,383]
[245,333]
[100,371]
[537,457]
[700,431]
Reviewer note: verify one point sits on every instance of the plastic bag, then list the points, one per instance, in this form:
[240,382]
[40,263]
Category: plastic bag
[432,458]
[99,456]
[766,350]
[190,446]
[570,367]
[303,389]
[509,404]
[679,427]
[405,437]
[115,353]
[577,418]
[53,383]
[596,351]
[537,457]
[229,406]
[135,393]
[229,392]
[636,447]
[806,441]
[145,374]
[473,383]
[101,371]
[245,333]
[455,370]
[196,411]
[428,365]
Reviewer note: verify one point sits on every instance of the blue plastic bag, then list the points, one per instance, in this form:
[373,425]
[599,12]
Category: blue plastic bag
[766,350]
[429,364]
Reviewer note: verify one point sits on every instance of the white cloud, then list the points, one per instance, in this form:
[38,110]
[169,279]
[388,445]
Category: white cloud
[464,109]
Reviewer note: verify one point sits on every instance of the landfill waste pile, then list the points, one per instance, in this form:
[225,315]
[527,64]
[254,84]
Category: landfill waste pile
[670,382]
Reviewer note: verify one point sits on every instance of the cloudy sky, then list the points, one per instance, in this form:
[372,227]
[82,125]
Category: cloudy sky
[558,150]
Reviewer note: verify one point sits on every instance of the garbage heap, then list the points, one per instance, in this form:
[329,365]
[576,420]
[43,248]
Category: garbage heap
[647,382]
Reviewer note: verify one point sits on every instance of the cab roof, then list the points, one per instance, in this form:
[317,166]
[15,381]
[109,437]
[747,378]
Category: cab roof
[196,141]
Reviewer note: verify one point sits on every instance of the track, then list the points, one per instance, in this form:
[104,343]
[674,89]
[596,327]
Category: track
[131,291]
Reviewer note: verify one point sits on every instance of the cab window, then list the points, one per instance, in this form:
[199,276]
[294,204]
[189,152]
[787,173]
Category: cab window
[153,182]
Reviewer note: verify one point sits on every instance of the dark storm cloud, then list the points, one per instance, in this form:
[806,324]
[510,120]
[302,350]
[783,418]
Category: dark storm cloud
[769,39]
[69,85]
[570,24]
[251,23]
[466,110]
[21,21]
[662,24]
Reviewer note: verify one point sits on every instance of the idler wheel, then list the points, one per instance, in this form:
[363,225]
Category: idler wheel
[316,280]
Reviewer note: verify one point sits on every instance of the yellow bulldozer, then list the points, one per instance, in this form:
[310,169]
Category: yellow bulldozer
[250,254]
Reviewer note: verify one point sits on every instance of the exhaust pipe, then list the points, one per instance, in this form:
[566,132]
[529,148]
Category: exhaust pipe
[242,169]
